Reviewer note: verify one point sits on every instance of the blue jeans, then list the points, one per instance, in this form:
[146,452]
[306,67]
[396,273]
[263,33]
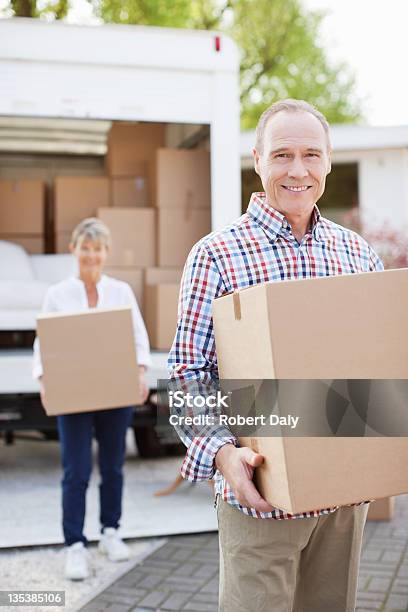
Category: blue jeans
[76,432]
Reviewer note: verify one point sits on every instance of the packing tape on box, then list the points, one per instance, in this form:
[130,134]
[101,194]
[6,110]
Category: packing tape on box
[237,306]
[255,445]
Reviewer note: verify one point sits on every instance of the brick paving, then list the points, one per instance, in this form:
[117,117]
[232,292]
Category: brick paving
[183,573]
[383,581]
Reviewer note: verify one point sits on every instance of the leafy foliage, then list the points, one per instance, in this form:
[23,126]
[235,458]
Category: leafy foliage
[32,8]
[282,59]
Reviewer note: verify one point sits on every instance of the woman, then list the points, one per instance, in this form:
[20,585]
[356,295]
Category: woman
[91,289]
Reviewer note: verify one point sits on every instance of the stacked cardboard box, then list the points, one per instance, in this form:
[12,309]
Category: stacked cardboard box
[22,213]
[156,203]
[133,245]
[130,191]
[130,160]
[132,276]
[161,292]
[307,329]
[132,144]
[75,198]
[183,202]
[183,178]
[133,236]
[131,218]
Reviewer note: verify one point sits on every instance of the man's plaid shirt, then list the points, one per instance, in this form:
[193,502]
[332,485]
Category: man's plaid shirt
[258,247]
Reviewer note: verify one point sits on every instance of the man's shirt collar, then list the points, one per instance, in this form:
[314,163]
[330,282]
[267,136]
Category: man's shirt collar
[272,221]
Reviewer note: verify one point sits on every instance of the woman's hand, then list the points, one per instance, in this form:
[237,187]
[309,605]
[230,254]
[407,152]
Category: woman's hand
[144,389]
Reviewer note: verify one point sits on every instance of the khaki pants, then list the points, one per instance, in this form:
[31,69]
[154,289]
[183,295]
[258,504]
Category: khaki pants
[295,565]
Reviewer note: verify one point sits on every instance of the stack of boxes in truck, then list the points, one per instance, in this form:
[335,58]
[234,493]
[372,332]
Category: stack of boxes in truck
[160,305]
[75,198]
[156,202]
[183,201]
[130,217]
[22,207]
[183,216]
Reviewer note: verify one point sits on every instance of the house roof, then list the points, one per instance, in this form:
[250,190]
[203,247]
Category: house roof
[349,138]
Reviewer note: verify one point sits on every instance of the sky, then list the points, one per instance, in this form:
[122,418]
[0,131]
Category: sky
[370,35]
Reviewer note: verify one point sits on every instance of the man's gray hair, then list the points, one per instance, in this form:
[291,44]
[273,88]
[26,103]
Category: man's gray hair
[292,106]
[92,229]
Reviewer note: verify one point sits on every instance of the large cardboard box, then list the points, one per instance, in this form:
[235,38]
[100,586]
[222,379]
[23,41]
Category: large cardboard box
[61,242]
[34,245]
[177,231]
[129,144]
[161,295]
[78,197]
[343,327]
[133,236]
[160,314]
[131,276]
[131,190]
[22,207]
[155,276]
[183,178]
[381,509]
[89,360]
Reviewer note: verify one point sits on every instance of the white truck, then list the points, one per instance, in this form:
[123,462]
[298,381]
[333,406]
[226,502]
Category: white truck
[61,87]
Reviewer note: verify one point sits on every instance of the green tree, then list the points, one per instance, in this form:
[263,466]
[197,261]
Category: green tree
[195,14]
[24,8]
[144,12]
[32,8]
[281,58]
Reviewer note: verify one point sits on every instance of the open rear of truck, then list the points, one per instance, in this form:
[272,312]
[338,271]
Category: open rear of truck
[64,89]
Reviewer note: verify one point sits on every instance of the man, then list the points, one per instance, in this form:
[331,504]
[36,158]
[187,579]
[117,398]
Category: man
[270,560]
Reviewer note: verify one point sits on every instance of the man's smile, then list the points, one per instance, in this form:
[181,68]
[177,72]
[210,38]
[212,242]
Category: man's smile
[296,188]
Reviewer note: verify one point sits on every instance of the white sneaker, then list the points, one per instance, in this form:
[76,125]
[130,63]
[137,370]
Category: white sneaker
[76,564]
[111,545]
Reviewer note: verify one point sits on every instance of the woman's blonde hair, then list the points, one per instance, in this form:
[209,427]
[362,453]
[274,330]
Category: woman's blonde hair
[91,229]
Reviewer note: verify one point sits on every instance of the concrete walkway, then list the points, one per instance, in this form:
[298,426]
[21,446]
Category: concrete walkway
[31,479]
[183,573]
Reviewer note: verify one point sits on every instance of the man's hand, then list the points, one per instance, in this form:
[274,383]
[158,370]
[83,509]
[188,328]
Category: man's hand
[237,466]
[144,389]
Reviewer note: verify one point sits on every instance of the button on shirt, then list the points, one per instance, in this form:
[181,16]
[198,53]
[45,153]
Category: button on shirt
[70,296]
[257,248]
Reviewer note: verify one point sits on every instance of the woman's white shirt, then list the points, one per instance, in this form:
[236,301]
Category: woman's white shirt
[70,296]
